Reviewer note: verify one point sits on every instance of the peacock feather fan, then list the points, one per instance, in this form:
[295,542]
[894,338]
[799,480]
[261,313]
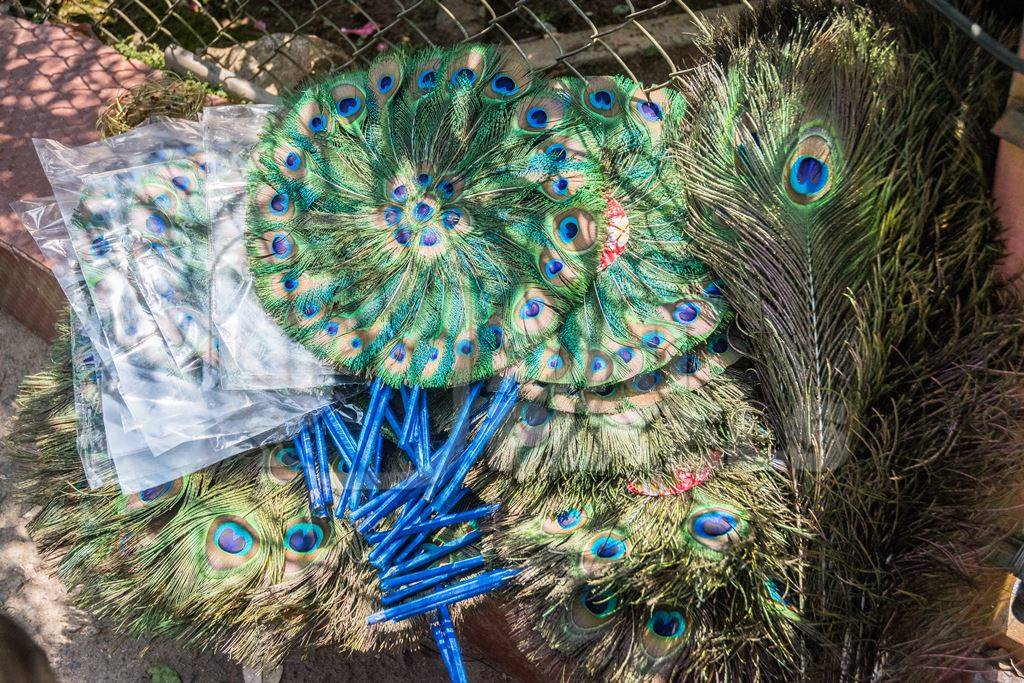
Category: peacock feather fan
[437,218]
[647,583]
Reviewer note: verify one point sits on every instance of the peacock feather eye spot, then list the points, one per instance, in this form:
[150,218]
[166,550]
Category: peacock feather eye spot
[429,238]
[332,328]
[569,519]
[609,548]
[398,353]
[356,343]
[557,152]
[464,76]
[152,493]
[650,110]
[497,335]
[279,203]
[568,228]
[625,353]
[403,236]
[653,340]
[303,537]
[310,310]
[281,245]
[156,224]
[347,106]
[318,123]
[162,201]
[423,179]
[713,290]
[598,364]
[465,347]
[434,353]
[647,381]
[446,188]
[451,218]
[532,308]
[808,175]
[561,185]
[719,344]
[181,182]
[714,524]
[534,414]
[503,84]
[602,99]
[537,117]
[400,193]
[385,83]
[290,284]
[288,457]
[233,538]
[427,79]
[293,161]
[775,593]
[600,603]
[555,362]
[666,624]
[99,246]
[688,364]
[392,215]
[686,312]
[552,268]
[423,211]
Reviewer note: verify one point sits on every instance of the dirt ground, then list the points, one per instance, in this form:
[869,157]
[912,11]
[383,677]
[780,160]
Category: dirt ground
[84,649]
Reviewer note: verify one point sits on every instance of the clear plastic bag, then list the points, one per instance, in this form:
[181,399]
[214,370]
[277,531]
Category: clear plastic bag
[139,274]
[254,353]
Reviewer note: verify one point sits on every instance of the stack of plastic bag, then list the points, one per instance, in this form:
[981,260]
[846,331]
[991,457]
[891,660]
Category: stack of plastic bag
[176,366]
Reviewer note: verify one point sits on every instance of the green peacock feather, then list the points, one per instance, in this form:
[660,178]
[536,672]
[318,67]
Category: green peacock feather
[444,216]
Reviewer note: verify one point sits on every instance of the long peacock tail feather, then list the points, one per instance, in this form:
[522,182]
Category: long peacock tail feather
[843,194]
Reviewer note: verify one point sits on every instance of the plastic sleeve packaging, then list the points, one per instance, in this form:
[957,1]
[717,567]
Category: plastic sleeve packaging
[136,241]
[253,351]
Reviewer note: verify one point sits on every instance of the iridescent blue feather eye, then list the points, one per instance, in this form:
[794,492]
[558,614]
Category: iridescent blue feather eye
[281,245]
[650,111]
[429,238]
[608,548]
[648,381]
[466,347]
[347,106]
[310,310]
[808,175]
[318,123]
[568,228]
[303,537]
[602,99]
[686,312]
[557,152]
[392,215]
[233,538]
[400,193]
[332,328]
[450,218]
[598,602]
[503,84]
[446,188]
[423,179]
[290,284]
[666,624]
[532,308]
[688,364]
[279,203]
[552,268]
[385,83]
[156,224]
[181,182]
[569,519]
[464,76]
[537,116]
[534,414]
[293,161]
[427,79]
[402,236]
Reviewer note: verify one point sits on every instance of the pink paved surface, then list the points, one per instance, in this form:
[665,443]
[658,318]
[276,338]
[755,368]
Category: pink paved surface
[53,83]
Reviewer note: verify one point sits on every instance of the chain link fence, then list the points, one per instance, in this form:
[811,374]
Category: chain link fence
[277,44]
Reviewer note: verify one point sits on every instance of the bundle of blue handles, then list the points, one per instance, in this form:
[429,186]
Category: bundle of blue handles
[415,578]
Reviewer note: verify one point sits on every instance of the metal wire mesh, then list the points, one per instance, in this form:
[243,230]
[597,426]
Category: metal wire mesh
[278,43]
